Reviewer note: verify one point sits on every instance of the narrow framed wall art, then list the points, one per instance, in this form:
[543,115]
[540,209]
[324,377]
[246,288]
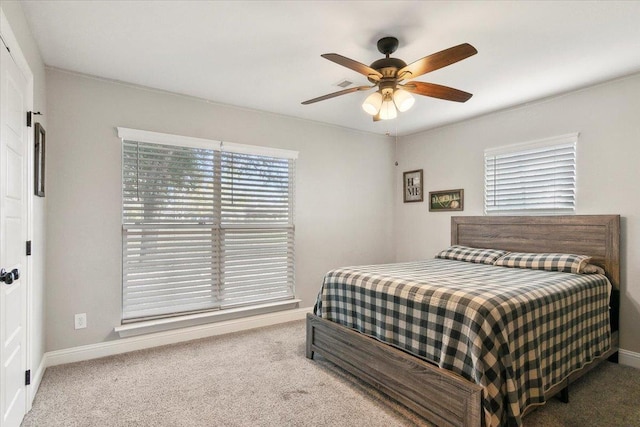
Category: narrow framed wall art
[412,186]
[39,160]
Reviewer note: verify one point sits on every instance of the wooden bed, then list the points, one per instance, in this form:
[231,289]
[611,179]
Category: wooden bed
[444,398]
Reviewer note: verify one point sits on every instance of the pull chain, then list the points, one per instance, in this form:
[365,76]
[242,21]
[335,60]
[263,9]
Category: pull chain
[396,147]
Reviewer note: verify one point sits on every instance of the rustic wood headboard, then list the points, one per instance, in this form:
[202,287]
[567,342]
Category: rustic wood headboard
[597,236]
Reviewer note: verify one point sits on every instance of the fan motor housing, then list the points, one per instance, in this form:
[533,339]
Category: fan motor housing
[388,67]
[388,63]
[385,63]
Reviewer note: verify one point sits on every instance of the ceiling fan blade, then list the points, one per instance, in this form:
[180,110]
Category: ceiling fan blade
[334,94]
[437,91]
[437,61]
[354,65]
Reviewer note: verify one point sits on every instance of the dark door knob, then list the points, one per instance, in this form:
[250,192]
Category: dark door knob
[9,277]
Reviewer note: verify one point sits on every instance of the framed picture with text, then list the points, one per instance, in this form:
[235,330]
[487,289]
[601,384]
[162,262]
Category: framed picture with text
[412,185]
[448,200]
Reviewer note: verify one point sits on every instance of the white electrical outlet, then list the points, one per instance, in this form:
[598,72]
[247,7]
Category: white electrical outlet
[81,320]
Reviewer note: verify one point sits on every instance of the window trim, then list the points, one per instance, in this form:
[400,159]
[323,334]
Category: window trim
[570,138]
[210,144]
[149,137]
[193,320]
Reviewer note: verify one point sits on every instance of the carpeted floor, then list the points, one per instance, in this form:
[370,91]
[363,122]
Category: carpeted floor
[262,378]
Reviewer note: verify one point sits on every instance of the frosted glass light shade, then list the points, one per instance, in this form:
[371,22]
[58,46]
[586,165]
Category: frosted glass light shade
[403,100]
[388,110]
[372,104]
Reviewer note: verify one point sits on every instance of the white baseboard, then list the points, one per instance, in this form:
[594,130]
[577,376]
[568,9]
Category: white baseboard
[629,358]
[124,345]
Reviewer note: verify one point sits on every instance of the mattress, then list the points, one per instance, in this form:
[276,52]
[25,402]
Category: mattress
[516,332]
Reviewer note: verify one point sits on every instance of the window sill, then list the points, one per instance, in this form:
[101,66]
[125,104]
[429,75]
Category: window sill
[159,325]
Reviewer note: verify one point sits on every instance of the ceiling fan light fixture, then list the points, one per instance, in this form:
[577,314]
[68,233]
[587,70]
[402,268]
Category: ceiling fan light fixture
[386,75]
[403,100]
[372,103]
[388,110]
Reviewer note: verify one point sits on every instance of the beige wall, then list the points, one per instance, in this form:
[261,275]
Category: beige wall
[17,21]
[343,205]
[607,117]
[345,184]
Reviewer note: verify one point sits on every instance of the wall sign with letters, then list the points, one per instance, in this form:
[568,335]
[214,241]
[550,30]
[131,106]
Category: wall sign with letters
[412,184]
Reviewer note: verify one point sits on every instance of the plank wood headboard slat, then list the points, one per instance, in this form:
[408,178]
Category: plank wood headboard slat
[595,235]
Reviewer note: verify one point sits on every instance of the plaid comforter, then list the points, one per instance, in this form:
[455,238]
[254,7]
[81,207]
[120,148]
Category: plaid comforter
[516,332]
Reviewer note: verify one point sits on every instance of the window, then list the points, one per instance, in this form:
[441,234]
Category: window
[205,225]
[537,177]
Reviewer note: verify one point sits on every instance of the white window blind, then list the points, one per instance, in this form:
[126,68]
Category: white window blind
[257,228]
[204,229]
[537,177]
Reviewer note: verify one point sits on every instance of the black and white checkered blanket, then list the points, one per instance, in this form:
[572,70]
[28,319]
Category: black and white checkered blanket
[516,332]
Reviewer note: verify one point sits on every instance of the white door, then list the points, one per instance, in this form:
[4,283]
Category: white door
[13,235]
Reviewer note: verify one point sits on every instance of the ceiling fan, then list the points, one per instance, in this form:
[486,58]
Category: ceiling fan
[386,74]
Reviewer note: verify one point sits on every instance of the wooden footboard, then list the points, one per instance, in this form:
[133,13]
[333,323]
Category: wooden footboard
[439,396]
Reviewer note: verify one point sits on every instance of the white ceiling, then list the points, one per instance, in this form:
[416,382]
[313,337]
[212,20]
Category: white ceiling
[265,55]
